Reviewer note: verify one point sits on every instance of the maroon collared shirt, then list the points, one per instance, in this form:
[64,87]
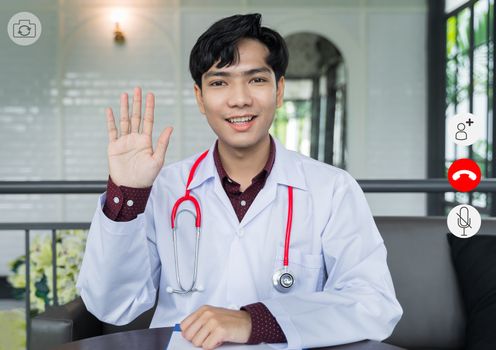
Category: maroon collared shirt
[125,204]
[241,201]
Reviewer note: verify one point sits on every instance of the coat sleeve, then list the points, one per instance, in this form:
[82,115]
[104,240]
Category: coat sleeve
[120,273]
[358,300]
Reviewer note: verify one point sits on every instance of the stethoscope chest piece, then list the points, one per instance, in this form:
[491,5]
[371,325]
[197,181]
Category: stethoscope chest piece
[283,280]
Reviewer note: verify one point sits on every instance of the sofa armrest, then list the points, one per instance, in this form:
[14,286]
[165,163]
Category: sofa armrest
[62,324]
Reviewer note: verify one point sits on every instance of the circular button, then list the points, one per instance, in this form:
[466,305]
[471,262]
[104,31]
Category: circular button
[24,28]
[464,221]
[464,175]
[130,203]
[465,129]
[243,203]
[116,200]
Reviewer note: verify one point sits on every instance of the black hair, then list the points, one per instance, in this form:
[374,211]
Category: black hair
[220,43]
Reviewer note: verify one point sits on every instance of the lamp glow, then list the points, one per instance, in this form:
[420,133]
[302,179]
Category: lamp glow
[118,15]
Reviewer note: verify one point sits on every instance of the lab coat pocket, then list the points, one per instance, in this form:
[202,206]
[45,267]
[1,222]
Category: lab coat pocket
[308,270]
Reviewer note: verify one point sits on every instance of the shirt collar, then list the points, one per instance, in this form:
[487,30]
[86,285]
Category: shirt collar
[286,167]
[263,173]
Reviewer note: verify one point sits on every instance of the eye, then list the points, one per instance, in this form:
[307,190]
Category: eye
[259,80]
[217,83]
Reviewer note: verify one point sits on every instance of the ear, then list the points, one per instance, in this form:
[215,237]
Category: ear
[199,98]
[280,92]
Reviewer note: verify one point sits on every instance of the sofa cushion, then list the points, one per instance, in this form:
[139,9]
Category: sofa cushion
[475,264]
[425,283]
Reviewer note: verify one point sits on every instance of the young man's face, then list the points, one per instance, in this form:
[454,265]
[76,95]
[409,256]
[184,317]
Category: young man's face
[240,101]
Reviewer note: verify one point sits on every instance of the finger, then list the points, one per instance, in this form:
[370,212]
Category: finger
[187,322]
[202,333]
[159,154]
[214,335]
[136,117]
[124,114]
[213,340]
[148,119]
[112,130]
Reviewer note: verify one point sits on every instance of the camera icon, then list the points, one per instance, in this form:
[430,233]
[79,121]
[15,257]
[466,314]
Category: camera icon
[24,28]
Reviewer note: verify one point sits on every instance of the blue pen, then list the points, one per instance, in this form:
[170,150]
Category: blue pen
[177,328]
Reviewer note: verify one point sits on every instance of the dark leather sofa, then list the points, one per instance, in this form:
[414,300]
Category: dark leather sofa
[421,267]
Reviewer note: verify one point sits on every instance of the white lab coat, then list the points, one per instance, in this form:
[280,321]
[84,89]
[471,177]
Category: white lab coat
[343,291]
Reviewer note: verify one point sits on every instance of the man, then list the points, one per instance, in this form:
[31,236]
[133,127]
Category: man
[264,209]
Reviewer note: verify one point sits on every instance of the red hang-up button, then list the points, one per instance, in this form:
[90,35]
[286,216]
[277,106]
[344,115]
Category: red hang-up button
[464,175]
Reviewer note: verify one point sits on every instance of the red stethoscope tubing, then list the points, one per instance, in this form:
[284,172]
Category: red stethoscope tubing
[288,227]
[188,197]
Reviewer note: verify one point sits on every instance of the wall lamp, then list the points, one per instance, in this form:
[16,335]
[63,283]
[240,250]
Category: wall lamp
[118,17]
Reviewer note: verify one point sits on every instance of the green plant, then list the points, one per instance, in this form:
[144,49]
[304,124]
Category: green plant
[69,250]
[13,326]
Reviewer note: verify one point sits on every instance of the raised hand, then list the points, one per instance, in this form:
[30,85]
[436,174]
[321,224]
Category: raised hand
[132,161]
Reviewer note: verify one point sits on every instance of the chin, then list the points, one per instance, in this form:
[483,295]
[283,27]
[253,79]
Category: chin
[241,145]
[240,142]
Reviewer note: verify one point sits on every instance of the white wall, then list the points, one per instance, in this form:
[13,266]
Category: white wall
[52,94]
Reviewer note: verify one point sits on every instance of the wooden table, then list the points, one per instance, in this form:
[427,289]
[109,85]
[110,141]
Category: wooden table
[158,338]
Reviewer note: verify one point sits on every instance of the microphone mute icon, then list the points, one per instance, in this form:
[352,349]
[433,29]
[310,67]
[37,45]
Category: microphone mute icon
[464,219]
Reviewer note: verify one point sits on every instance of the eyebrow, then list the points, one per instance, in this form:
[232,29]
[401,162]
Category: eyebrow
[245,73]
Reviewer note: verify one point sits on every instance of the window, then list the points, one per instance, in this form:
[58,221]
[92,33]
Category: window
[312,118]
[469,88]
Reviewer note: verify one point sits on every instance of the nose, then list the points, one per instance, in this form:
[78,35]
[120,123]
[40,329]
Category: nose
[240,96]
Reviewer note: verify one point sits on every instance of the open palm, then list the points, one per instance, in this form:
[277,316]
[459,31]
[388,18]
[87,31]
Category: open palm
[132,160]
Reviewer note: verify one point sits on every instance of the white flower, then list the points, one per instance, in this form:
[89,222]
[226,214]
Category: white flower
[69,256]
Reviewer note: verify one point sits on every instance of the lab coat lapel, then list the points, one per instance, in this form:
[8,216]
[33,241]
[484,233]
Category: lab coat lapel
[285,171]
[266,196]
[224,199]
[206,170]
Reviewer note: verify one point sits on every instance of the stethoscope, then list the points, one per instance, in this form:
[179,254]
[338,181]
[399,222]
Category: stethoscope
[282,280]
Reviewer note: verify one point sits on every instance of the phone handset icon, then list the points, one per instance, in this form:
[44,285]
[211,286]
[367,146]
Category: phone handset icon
[472,176]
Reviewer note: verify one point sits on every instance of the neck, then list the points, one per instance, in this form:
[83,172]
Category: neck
[243,164]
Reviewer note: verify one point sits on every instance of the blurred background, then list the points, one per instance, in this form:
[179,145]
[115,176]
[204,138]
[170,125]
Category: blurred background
[370,87]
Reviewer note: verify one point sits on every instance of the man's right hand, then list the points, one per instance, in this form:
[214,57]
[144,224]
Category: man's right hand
[132,161]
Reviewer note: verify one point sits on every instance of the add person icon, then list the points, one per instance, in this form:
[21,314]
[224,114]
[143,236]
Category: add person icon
[465,129]
[461,134]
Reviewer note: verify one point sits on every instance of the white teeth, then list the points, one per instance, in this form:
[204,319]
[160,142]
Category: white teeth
[240,120]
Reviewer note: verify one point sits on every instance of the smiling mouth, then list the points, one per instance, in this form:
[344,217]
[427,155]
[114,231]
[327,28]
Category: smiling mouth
[240,120]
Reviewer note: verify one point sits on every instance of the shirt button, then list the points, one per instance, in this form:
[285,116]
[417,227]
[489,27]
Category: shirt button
[130,203]
[241,233]
[243,203]
[116,200]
